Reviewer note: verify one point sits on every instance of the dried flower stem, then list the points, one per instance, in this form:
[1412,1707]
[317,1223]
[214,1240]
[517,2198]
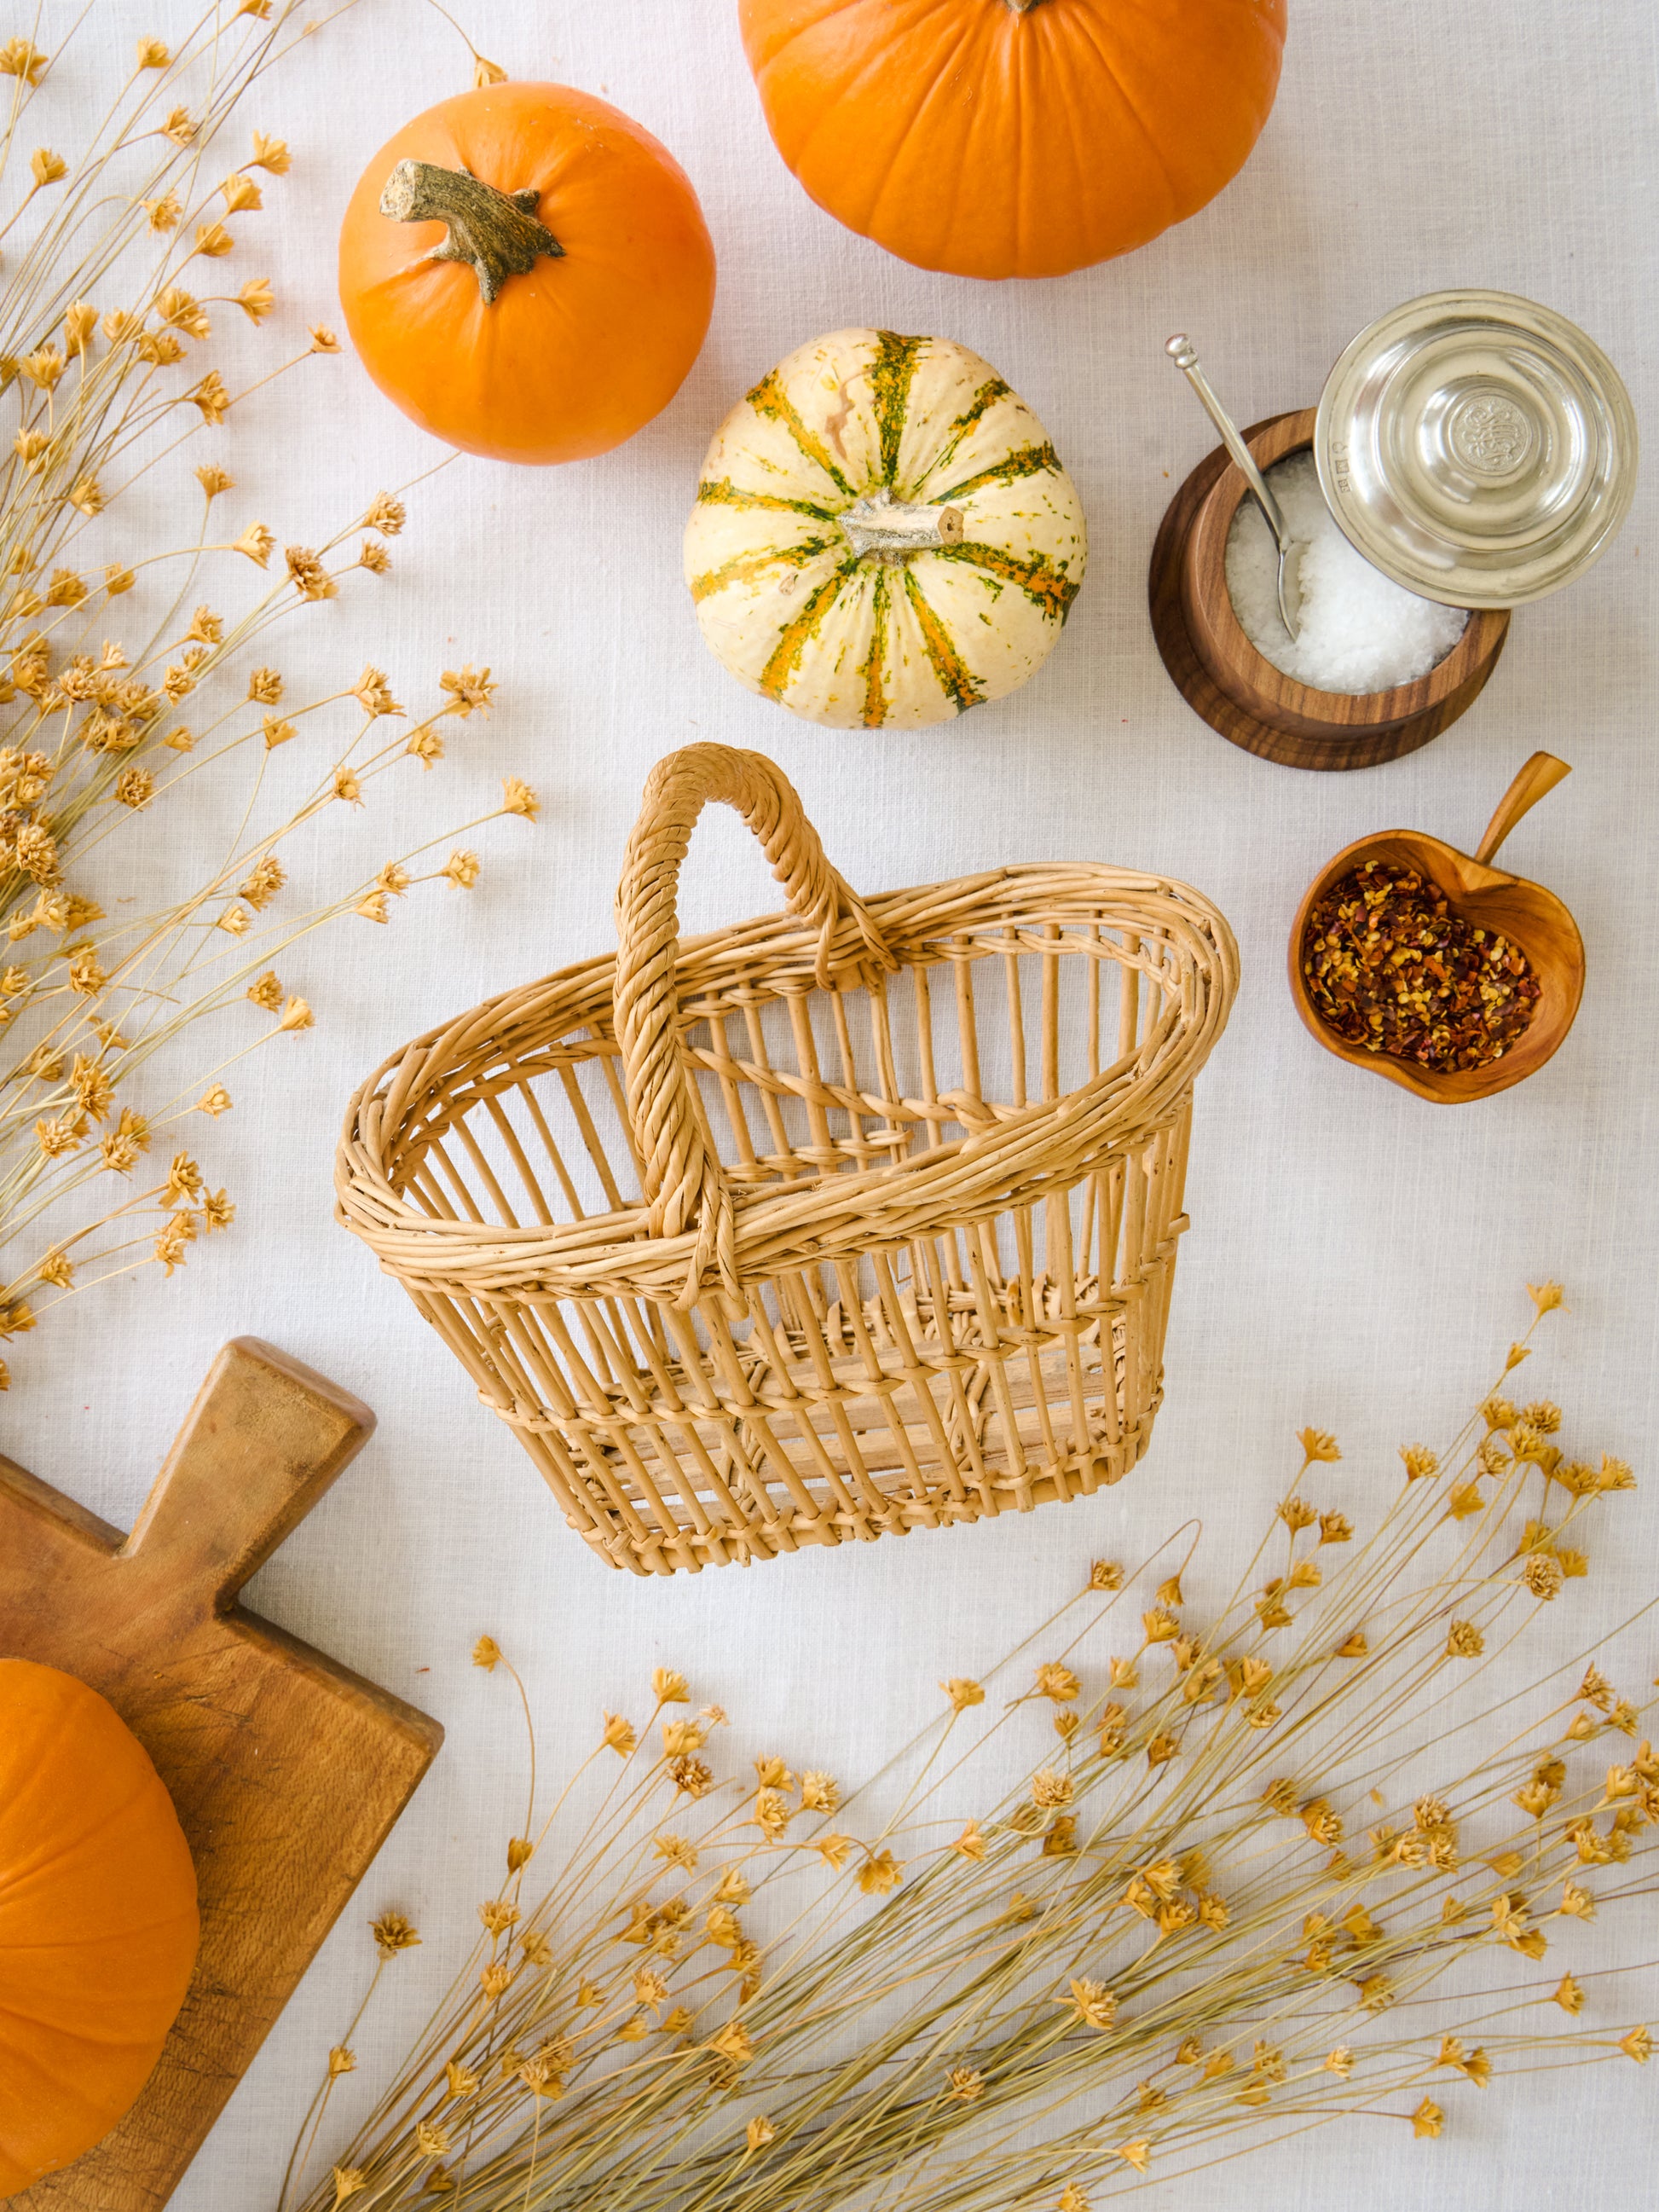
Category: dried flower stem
[1159,1937]
[97,983]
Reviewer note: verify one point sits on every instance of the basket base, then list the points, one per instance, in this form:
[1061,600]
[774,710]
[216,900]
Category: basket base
[864,1463]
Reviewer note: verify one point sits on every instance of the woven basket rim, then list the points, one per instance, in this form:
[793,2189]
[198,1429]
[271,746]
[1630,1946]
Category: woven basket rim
[571,1258]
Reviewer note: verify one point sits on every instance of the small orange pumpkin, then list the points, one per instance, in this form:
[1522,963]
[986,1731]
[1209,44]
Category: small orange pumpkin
[526,273]
[98,1919]
[1013,137]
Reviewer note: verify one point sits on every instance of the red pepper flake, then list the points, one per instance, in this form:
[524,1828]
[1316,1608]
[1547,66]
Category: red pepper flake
[1391,968]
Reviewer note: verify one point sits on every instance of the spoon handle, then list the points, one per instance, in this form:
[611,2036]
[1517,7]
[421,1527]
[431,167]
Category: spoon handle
[1542,772]
[1183,354]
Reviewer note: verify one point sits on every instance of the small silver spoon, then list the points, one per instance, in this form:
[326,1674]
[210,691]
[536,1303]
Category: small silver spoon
[1181,352]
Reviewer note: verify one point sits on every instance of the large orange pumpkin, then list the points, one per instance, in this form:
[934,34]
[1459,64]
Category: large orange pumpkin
[526,273]
[98,1919]
[1013,137]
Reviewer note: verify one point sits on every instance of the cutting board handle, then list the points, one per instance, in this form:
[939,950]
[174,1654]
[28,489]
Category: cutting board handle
[265,1439]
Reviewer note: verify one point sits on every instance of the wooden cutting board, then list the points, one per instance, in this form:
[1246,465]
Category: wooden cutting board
[288,1771]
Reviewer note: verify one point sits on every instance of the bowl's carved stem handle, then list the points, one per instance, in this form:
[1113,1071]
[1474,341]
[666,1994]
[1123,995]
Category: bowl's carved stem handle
[1535,776]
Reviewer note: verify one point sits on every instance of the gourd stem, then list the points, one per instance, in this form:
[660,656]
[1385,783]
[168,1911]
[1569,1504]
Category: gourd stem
[1022,7]
[890,527]
[496,234]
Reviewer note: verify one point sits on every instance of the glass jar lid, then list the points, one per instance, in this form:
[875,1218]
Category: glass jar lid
[1477,448]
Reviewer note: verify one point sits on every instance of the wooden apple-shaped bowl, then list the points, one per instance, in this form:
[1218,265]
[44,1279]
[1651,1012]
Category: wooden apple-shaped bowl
[1525,912]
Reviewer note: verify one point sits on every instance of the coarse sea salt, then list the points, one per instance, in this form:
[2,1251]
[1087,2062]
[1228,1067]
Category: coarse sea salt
[1358,630]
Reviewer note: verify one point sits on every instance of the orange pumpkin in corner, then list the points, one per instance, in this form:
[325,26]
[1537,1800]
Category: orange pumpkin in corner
[1013,137]
[526,273]
[98,1919]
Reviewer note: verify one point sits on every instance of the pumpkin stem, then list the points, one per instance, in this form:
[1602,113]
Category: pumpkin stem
[495,233]
[1022,7]
[890,527]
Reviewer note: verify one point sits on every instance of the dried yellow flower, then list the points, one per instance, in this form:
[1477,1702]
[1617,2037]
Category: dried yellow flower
[617,1735]
[1093,2003]
[1464,1640]
[971,1844]
[211,397]
[256,298]
[394,1933]
[47,167]
[1270,1607]
[181,311]
[1317,1444]
[271,154]
[307,574]
[19,59]
[880,1872]
[1428,2120]
[374,695]
[215,1101]
[1638,2043]
[732,2044]
[1543,1576]
[470,688]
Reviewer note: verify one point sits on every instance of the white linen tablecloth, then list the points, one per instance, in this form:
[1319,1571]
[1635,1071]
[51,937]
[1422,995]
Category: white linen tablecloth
[1356,1259]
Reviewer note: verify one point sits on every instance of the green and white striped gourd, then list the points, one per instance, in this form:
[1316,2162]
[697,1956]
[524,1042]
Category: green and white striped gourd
[883,537]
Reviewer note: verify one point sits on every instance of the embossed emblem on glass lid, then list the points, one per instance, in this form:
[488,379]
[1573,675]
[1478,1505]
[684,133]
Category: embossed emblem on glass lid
[1476,447]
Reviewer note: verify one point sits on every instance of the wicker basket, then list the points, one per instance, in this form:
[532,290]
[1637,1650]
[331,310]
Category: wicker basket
[848,1221]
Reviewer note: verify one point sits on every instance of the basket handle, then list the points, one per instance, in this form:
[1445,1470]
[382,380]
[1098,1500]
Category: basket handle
[684,1183]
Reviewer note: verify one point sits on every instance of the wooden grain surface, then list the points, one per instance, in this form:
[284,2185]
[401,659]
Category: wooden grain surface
[286,1769]
[1243,697]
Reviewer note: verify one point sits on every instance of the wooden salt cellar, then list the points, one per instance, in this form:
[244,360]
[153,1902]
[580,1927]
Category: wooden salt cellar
[1242,695]
[286,1769]
[1533,917]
